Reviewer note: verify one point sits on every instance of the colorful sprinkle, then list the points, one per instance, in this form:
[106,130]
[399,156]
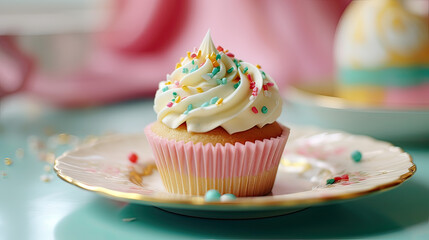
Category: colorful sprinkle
[264,109]
[252,85]
[356,156]
[178,65]
[337,179]
[169,104]
[193,62]
[258,66]
[175,94]
[254,110]
[212,57]
[188,54]
[219,48]
[215,64]
[212,195]
[245,69]
[202,63]
[236,63]
[168,83]
[205,104]
[213,100]
[255,91]
[200,90]
[199,54]
[218,57]
[270,84]
[345,177]
[237,84]
[176,83]
[230,70]
[8,161]
[227,197]
[177,99]
[249,77]
[181,59]
[224,81]
[215,70]
[194,69]
[165,89]
[265,87]
[218,81]
[330,181]
[218,102]
[263,75]
[185,88]
[231,55]
[193,55]
[190,107]
[185,70]
[133,157]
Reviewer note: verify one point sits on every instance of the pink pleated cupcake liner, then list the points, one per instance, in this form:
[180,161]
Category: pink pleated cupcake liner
[186,167]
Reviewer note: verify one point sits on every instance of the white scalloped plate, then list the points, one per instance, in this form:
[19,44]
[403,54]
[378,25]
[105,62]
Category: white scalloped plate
[311,157]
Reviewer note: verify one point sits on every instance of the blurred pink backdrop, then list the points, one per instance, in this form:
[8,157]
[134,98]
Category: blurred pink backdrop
[291,40]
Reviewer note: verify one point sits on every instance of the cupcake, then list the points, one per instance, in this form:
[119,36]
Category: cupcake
[216,126]
[382,55]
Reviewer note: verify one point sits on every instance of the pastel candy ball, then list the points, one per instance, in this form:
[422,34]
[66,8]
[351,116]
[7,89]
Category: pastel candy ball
[356,156]
[227,197]
[212,196]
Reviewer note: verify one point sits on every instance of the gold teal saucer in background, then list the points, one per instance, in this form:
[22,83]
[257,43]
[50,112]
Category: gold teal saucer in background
[318,104]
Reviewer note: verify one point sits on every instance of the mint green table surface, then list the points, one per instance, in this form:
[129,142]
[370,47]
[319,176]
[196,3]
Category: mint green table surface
[33,209]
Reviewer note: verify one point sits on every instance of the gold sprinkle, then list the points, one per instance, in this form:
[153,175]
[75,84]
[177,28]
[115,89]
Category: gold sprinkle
[185,88]
[47,168]
[49,131]
[178,65]
[212,57]
[181,59]
[177,99]
[258,66]
[199,54]
[215,64]
[19,153]
[137,177]
[168,83]
[226,50]
[8,161]
[49,158]
[45,178]
[200,90]
[219,101]
[188,54]
[63,138]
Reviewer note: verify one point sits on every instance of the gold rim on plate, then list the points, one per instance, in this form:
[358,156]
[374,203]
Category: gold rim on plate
[244,202]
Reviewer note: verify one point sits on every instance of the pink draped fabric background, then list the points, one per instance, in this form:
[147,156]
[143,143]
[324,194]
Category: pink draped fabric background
[291,40]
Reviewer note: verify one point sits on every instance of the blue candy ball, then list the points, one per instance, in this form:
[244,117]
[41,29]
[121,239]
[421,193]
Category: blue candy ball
[356,156]
[212,195]
[227,197]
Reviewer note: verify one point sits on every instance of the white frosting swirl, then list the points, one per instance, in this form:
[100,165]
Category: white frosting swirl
[206,96]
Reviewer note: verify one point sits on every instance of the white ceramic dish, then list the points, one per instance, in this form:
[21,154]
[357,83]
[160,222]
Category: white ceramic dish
[317,104]
[311,157]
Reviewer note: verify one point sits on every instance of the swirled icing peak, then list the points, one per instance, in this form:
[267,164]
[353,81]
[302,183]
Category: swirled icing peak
[211,88]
